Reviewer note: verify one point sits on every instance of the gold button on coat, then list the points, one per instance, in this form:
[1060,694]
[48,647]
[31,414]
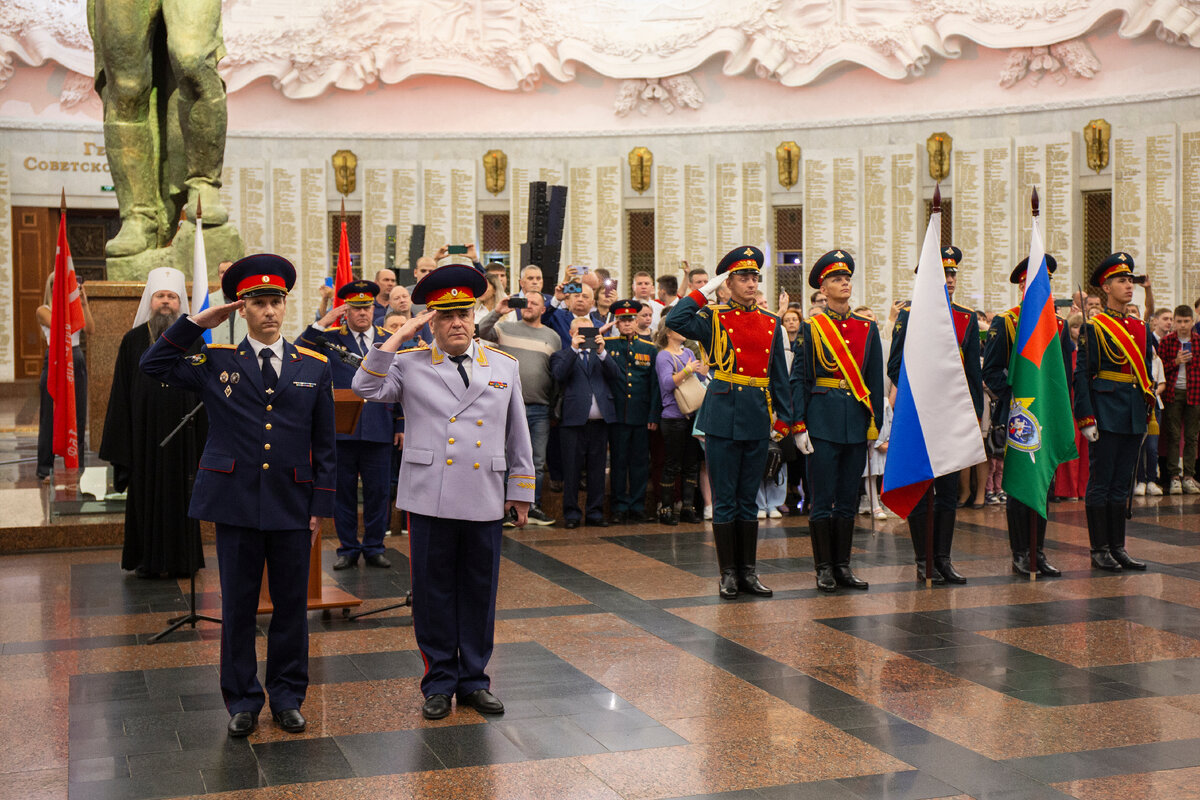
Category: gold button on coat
[449,460]
[268,426]
[266,466]
[451,440]
[268,408]
[267,446]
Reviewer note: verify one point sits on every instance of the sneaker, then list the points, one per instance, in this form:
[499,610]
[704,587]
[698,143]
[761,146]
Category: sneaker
[864,506]
[1190,486]
[1139,489]
[880,513]
[774,513]
[993,499]
[1002,496]
[539,517]
[762,513]
[1176,487]
[1153,489]
[708,512]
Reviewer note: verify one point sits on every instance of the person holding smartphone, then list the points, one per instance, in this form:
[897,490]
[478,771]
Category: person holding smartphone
[1181,400]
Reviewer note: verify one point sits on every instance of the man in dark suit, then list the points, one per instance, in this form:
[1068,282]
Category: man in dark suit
[588,376]
[367,451]
[266,478]
[577,303]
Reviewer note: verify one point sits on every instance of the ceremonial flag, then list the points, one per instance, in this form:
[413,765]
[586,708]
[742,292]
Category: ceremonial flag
[934,428]
[344,272]
[1041,431]
[200,273]
[66,318]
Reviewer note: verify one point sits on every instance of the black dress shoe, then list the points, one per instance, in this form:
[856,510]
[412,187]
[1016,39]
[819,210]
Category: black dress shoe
[1020,562]
[944,567]
[1102,559]
[1125,560]
[344,562]
[378,560]
[482,701]
[290,719]
[242,724]
[689,516]
[1046,568]
[597,522]
[436,706]
[571,524]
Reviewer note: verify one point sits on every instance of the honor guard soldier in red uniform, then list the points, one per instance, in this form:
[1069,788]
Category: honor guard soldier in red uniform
[747,404]
[638,403]
[1114,404]
[996,352]
[945,488]
[266,477]
[838,385]
[367,451]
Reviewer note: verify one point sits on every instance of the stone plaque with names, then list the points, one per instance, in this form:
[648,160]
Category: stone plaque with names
[376,216]
[463,229]
[831,205]
[754,207]
[983,221]
[669,222]
[727,202]
[286,230]
[406,209]
[610,239]
[697,216]
[593,226]
[7,345]
[1144,207]
[1047,162]
[1189,216]
[435,190]
[316,261]
[244,193]
[890,237]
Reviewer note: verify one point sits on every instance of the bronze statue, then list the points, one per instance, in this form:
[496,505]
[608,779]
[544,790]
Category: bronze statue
[164,113]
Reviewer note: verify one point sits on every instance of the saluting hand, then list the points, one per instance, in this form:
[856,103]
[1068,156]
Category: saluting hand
[332,317]
[215,315]
[407,331]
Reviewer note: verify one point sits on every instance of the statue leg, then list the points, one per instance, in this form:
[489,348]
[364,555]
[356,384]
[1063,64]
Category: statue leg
[124,35]
[195,46]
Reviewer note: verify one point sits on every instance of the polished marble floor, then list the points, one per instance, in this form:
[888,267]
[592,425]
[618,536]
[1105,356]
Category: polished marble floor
[624,676]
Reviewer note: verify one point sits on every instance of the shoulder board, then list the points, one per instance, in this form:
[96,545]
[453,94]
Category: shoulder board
[611,338]
[220,346]
[859,317]
[491,349]
[312,353]
[421,348]
[770,314]
[718,306]
[382,331]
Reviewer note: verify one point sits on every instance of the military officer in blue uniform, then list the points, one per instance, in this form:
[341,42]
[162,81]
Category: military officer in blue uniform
[266,478]
[1114,402]
[638,403]
[996,351]
[367,452]
[468,462]
[748,403]
[838,384]
[945,488]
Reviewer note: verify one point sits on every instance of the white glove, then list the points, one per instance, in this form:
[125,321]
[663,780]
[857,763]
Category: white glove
[709,289]
[1090,432]
[803,442]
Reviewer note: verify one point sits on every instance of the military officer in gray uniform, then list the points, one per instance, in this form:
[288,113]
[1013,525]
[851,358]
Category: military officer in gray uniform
[468,463]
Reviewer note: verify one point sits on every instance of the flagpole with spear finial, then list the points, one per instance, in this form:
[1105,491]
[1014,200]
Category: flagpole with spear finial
[929,512]
[1033,514]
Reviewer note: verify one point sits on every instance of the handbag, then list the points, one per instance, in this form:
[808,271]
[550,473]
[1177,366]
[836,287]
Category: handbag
[689,395]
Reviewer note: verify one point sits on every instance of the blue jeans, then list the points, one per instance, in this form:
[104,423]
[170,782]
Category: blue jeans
[538,419]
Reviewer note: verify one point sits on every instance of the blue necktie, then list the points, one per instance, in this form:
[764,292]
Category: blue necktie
[461,369]
[270,376]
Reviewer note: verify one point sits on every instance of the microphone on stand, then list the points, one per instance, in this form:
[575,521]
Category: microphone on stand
[338,352]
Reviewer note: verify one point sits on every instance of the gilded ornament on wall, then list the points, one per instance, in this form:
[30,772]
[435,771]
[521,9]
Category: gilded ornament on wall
[345,163]
[787,155]
[1095,136]
[939,146]
[640,161]
[495,166]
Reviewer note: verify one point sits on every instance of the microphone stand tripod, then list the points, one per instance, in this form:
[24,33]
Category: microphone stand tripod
[190,618]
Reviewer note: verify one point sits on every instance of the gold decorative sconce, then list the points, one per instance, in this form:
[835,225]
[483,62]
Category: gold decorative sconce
[495,166]
[1095,136]
[939,146]
[640,161]
[787,155]
[344,165]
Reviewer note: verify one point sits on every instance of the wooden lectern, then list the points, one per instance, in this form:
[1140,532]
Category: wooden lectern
[347,408]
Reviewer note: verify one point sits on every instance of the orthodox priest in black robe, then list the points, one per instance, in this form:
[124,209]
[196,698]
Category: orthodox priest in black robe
[160,538]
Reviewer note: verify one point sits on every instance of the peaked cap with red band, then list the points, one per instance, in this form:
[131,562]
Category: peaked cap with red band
[1018,273]
[739,259]
[258,275]
[358,293]
[449,287]
[1116,264]
[625,308]
[835,262]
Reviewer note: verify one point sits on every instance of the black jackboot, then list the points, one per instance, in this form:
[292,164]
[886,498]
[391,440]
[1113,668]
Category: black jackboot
[1097,522]
[666,508]
[687,511]
[843,538]
[1044,567]
[916,529]
[820,532]
[723,535]
[1018,537]
[943,538]
[1116,538]
[747,558]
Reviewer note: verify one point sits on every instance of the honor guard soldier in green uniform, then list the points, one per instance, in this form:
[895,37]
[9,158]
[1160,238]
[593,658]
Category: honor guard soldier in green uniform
[838,385]
[748,402]
[1114,407]
[945,488]
[996,353]
[637,409]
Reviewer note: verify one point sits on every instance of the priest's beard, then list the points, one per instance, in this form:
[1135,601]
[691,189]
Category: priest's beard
[160,322]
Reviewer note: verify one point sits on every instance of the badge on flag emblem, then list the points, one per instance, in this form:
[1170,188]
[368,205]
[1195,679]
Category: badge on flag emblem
[1024,430]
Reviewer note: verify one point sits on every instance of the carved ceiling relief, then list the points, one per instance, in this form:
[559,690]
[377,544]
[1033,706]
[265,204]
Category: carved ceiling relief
[308,47]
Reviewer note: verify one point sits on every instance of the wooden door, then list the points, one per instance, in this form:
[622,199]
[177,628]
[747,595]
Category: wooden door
[33,261]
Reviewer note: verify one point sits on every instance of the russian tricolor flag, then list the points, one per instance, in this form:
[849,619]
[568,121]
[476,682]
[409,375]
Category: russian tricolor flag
[934,428]
[200,272]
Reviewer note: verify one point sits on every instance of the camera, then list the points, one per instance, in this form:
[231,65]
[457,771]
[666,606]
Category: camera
[517,302]
[573,288]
